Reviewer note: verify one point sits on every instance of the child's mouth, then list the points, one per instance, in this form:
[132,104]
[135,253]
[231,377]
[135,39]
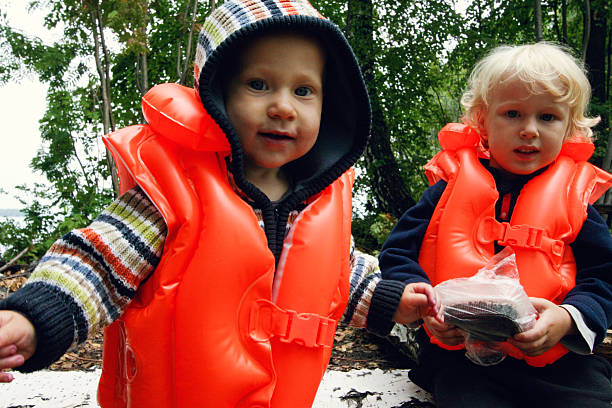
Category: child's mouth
[275,136]
[526,150]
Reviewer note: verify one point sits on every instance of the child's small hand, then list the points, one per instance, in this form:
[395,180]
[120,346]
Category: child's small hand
[418,300]
[17,342]
[446,333]
[552,325]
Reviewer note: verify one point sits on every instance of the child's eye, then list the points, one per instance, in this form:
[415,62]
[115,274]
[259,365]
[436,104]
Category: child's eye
[303,91]
[547,117]
[257,84]
[512,114]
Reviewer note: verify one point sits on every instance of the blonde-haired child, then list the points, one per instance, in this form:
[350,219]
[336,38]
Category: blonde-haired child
[540,66]
[517,176]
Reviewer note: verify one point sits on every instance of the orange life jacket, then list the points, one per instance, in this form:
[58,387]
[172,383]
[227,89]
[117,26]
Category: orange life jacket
[207,329]
[548,216]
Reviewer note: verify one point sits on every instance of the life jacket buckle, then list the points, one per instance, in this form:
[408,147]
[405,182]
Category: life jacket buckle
[308,329]
[521,236]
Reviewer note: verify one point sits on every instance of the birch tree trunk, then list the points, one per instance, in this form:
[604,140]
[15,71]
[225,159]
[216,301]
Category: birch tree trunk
[102,66]
[183,63]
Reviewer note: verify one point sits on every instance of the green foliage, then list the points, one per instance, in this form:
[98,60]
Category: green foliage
[364,240]
[412,37]
[371,230]
[382,227]
[164,47]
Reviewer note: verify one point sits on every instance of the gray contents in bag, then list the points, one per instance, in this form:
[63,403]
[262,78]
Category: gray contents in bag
[486,321]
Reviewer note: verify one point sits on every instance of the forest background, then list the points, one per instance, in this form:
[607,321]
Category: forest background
[415,56]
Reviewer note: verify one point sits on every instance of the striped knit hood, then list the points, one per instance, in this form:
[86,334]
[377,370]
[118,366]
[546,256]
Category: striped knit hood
[345,120]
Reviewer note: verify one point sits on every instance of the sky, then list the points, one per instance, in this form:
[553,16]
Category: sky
[22,105]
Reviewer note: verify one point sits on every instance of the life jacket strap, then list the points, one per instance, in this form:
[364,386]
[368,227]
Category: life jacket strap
[308,329]
[521,236]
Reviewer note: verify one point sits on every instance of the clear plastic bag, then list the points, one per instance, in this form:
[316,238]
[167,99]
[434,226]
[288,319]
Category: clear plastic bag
[489,307]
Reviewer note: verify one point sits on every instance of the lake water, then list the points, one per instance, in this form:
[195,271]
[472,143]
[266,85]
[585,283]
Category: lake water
[18,219]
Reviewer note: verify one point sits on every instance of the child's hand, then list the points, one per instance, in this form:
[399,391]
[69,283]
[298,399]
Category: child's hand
[552,325]
[418,300]
[17,342]
[446,333]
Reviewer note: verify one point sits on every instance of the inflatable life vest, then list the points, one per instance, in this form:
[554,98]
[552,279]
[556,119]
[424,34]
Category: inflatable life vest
[207,329]
[548,215]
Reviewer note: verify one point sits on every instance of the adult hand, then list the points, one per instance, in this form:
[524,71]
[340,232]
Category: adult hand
[553,324]
[17,342]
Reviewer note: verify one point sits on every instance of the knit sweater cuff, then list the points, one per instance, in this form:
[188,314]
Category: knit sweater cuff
[51,318]
[384,303]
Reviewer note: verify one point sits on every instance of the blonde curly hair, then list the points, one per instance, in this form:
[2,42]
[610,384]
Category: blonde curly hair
[543,67]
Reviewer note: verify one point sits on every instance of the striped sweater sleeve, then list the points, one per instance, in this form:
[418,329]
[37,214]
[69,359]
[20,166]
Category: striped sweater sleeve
[364,277]
[88,277]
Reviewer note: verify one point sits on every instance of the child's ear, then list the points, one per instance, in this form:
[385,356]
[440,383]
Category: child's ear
[480,122]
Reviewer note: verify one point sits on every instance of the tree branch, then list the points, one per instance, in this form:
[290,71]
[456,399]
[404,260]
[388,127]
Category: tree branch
[189,43]
[15,259]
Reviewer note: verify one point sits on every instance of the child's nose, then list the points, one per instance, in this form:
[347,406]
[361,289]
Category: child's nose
[281,107]
[530,130]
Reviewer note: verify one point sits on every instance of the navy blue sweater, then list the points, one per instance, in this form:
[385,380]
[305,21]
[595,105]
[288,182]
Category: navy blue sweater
[592,249]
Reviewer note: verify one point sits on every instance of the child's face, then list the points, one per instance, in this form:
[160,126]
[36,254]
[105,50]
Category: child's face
[274,101]
[525,131]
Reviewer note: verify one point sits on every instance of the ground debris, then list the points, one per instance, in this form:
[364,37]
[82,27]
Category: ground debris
[357,397]
[353,394]
[356,349]
[12,279]
[416,403]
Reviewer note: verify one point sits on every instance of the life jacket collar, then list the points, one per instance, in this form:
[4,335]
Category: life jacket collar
[175,112]
[454,136]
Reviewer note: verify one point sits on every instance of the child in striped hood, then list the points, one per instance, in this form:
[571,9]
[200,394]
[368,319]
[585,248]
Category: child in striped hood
[224,266]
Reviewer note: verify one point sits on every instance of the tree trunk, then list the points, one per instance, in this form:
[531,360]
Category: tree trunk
[607,160]
[595,57]
[586,29]
[609,59]
[141,60]
[556,20]
[187,60]
[145,72]
[103,69]
[564,21]
[106,67]
[390,193]
[537,12]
